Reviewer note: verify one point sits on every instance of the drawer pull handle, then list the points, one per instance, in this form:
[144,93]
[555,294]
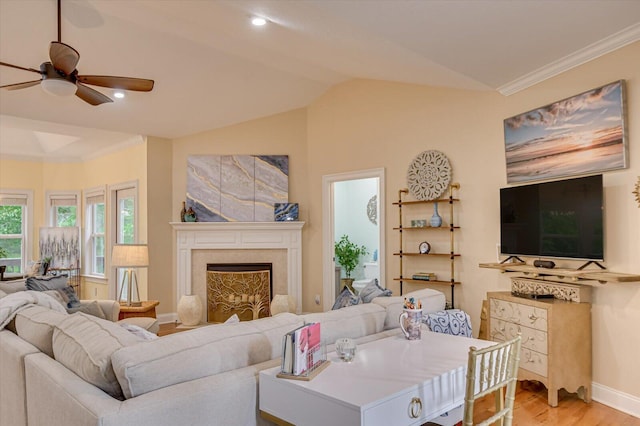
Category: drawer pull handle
[415,408]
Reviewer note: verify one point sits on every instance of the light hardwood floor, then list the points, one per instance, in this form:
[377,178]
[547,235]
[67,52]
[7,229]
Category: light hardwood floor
[531,406]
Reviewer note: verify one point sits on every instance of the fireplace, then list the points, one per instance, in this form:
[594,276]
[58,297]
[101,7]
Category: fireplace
[201,243]
[243,289]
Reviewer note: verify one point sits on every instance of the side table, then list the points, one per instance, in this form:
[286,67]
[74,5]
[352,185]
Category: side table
[148,309]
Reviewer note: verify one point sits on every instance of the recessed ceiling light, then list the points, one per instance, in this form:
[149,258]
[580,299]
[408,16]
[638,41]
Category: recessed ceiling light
[118,95]
[258,22]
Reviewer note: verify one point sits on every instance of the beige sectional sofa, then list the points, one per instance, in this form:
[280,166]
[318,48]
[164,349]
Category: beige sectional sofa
[59,369]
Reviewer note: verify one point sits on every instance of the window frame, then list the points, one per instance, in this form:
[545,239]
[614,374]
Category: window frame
[90,234]
[51,211]
[27,223]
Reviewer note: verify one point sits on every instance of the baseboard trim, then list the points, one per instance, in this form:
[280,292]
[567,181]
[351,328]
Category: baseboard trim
[613,398]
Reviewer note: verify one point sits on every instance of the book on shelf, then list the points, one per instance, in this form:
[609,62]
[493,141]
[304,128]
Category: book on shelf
[302,350]
[424,276]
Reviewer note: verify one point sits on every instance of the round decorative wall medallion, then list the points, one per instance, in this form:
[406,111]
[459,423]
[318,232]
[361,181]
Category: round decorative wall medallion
[429,175]
[372,209]
[637,191]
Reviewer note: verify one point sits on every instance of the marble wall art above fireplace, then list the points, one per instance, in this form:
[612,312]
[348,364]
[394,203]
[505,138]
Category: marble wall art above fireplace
[236,188]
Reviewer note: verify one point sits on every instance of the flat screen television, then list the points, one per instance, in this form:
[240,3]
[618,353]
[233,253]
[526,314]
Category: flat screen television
[561,219]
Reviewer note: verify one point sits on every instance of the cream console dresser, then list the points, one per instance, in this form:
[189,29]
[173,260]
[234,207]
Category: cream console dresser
[556,333]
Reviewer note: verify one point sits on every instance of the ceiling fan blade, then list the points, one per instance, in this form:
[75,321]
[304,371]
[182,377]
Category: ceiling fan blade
[91,96]
[63,57]
[19,67]
[125,83]
[24,85]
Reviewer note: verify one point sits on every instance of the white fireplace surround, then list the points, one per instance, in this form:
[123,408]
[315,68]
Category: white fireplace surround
[239,235]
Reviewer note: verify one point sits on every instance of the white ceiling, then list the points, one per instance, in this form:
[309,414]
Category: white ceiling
[212,68]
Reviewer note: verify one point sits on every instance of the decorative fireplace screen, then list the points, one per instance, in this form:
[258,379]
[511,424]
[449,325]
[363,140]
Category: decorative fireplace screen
[245,293]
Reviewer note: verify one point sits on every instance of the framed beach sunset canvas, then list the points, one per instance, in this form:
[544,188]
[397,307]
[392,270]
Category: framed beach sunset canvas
[583,134]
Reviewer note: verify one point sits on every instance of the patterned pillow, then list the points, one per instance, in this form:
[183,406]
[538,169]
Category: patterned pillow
[46,283]
[91,308]
[373,290]
[346,298]
[451,321]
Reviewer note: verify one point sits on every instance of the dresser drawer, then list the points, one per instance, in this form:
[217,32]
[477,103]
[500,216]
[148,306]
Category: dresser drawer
[528,316]
[533,339]
[533,361]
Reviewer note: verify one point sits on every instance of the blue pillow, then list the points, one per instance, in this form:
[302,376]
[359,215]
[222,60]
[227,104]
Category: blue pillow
[346,298]
[373,290]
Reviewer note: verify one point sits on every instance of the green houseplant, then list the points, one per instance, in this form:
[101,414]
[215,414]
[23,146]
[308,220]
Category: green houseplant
[348,255]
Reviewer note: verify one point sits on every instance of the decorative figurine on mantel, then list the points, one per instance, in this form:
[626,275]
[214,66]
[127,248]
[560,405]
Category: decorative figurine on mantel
[190,215]
[183,211]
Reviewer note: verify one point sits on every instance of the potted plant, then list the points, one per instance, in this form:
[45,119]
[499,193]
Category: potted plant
[348,255]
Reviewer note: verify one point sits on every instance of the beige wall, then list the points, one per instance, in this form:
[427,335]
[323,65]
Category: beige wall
[160,210]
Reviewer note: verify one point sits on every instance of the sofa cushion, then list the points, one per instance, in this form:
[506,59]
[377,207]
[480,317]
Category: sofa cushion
[35,324]
[432,301]
[84,344]
[13,286]
[200,352]
[2,294]
[353,321]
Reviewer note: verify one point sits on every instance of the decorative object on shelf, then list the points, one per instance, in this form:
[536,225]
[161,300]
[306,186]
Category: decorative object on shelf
[372,209]
[436,219]
[348,255]
[284,212]
[429,175]
[424,276]
[424,247]
[637,191]
[282,303]
[593,121]
[183,212]
[346,349]
[190,310]
[411,319]
[130,256]
[190,215]
[418,223]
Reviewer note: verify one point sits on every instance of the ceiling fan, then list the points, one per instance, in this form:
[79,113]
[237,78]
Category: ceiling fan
[60,76]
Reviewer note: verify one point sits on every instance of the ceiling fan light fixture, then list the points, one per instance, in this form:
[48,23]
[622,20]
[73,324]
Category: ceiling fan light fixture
[258,21]
[58,87]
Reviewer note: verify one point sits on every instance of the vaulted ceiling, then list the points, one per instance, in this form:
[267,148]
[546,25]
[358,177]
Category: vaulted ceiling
[213,68]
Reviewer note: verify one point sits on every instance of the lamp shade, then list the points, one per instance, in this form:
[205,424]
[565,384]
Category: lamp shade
[130,255]
[58,87]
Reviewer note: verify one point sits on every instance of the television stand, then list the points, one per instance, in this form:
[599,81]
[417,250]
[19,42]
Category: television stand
[512,259]
[589,263]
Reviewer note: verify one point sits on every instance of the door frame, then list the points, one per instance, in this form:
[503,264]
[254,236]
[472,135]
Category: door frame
[328,227]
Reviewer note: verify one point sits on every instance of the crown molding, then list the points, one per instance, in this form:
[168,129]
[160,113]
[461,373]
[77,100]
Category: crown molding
[616,41]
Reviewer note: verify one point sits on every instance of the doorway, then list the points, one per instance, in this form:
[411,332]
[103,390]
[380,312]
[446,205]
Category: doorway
[352,204]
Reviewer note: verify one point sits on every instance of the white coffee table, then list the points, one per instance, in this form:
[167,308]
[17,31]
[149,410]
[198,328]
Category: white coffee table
[391,381]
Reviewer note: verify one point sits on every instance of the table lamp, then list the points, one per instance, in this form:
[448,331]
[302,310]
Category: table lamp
[130,256]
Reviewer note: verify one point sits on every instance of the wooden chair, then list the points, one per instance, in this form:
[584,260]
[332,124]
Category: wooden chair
[490,370]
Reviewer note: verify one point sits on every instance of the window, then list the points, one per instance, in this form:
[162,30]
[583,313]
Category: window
[124,223]
[16,218]
[62,208]
[95,221]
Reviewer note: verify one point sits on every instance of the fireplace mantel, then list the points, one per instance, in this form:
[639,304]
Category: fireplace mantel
[239,235]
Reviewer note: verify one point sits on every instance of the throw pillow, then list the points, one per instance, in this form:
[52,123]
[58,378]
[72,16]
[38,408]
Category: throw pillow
[346,298]
[91,308]
[373,290]
[46,283]
[67,297]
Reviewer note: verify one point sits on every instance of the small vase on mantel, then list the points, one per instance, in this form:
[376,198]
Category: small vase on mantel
[183,211]
[436,220]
